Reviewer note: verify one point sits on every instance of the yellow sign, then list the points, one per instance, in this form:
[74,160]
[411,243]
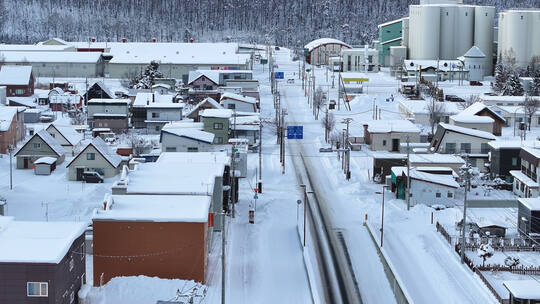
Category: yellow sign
[356,79]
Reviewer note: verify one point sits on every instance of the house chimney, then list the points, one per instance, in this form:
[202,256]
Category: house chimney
[93,39]
[124,40]
[154,39]
[366,135]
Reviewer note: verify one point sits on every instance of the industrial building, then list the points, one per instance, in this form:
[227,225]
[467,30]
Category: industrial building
[390,34]
[320,50]
[354,60]
[518,36]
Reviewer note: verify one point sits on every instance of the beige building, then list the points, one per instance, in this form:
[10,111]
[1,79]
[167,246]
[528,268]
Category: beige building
[97,157]
[387,135]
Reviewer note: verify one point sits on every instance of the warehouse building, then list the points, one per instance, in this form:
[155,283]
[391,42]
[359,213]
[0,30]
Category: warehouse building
[320,50]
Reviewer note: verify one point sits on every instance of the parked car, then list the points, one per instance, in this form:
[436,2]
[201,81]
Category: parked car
[454,98]
[327,149]
[92,177]
[277,48]
[475,83]
[290,80]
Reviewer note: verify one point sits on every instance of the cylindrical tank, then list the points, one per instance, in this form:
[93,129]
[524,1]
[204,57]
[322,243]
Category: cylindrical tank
[424,27]
[464,30]
[535,36]
[405,31]
[516,26]
[483,34]
[448,37]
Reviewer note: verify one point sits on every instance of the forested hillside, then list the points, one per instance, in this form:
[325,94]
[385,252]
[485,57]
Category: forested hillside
[284,22]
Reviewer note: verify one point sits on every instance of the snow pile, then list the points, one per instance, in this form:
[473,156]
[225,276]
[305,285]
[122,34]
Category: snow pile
[140,290]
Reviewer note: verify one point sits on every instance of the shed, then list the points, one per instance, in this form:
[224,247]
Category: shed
[521,291]
[44,165]
[528,221]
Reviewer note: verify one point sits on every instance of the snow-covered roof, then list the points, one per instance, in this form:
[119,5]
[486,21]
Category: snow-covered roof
[322,41]
[52,57]
[475,52]
[390,22]
[465,118]
[436,158]
[29,102]
[183,173]
[45,160]
[183,124]
[109,101]
[68,132]
[37,242]
[533,151]
[467,131]
[246,120]
[532,203]
[58,40]
[48,140]
[213,75]
[522,177]
[513,99]
[209,100]
[103,87]
[65,99]
[163,208]
[510,144]
[417,174]
[513,110]
[176,53]
[420,107]
[162,85]
[246,99]
[15,74]
[387,126]
[478,107]
[103,149]
[524,289]
[33,48]
[218,113]
[6,117]
[442,65]
[192,133]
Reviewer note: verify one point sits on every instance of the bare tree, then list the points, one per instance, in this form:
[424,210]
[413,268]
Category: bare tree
[328,122]
[530,107]
[469,101]
[335,139]
[318,102]
[139,144]
[79,118]
[435,111]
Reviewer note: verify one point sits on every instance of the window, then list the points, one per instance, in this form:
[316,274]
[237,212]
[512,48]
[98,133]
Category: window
[450,195]
[438,194]
[466,147]
[514,161]
[19,91]
[157,128]
[484,148]
[37,145]
[384,142]
[231,106]
[52,134]
[193,149]
[450,148]
[37,289]
[538,122]
[90,156]
[218,126]
[472,161]
[218,140]
[170,149]
[155,115]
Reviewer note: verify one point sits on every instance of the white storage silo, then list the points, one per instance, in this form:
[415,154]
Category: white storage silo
[448,25]
[424,28]
[535,35]
[483,34]
[464,30]
[515,37]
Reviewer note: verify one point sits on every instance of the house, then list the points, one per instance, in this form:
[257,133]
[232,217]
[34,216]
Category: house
[66,136]
[386,135]
[451,139]
[480,117]
[523,291]
[178,226]
[186,137]
[39,145]
[238,102]
[514,115]
[32,115]
[417,111]
[504,157]
[98,91]
[526,180]
[204,80]
[161,110]
[65,102]
[216,121]
[207,103]
[437,160]
[247,127]
[95,156]
[109,113]
[529,216]
[162,88]
[41,262]
[18,80]
[429,186]
[12,128]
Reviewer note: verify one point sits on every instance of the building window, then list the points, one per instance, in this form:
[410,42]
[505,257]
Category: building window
[231,106]
[157,128]
[514,161]
[37,289]
[90,156]
[484,148]
[450,195]
[472,161]
[466,147]
[155,115]
[218,140]
[37,145]
[19,91]
[450,147]
[193,149]
[218,126]
[384,142]
[438,194]
[170,149]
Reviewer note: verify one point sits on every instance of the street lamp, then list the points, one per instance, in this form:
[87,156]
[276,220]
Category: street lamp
[304,188]
[382,212]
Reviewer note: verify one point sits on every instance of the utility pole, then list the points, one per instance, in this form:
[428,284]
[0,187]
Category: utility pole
[223,272]
[10,149]
[464,225]
[233,182]
[259,186]
[382,213]
[347,149]
[408,176]
[305,210]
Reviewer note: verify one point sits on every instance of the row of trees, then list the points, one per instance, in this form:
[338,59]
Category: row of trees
[507,75]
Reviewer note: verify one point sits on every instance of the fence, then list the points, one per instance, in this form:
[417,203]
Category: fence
[526,270]
[493,291]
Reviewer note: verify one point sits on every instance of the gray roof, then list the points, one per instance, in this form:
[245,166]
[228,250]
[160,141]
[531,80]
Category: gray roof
[475,52]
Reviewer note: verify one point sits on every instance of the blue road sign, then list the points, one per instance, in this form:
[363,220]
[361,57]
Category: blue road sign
[255,196]
[295,132]
[279,75]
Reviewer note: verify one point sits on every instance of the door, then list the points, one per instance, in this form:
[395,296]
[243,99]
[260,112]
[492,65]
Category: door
[395,144]
[25,165]
[79,173]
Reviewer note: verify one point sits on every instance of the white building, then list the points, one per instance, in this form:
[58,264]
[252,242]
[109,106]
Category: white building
[354,60]
[186,137]
[474,61]
[519,30]
[387,135]
[417,110]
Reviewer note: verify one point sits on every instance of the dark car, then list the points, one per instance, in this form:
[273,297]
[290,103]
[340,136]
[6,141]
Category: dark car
[92,177]
[277,48]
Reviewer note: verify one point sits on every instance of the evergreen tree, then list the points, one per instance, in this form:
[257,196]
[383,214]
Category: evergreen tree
[534,90]
[501,78]
[147,78]
[513,86]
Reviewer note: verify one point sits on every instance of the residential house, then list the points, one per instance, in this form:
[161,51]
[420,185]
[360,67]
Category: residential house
[65,102]
[162,88]
[66,136]
[523,291]
[514,115]
[504,157]
[247,127]
[386,135]
[161,111]
[95,156]
[179,226]
[41,262]
[186,137]
[204,80]
[216,121]
[109,113]
[39,145]
[526,180]
[476,117]
[429,186]
[98,91]
[451,139]
[19,80]
[437,160]
[207,103]
[417,111]
[529,217]
[32,115]
[496,100]
[238,102]
[8,128]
